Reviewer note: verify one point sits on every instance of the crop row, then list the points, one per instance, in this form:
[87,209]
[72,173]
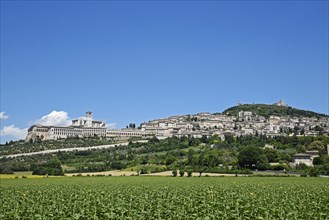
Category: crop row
[165,198]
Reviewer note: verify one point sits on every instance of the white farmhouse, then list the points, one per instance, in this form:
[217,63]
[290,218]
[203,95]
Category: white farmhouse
[306,158]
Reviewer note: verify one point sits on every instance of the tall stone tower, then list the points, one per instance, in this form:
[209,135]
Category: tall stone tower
[89,115]
[89,119]
[281,103]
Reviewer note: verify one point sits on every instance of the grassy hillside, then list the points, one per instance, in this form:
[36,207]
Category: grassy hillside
[190,154]
[17,147]
[267,110]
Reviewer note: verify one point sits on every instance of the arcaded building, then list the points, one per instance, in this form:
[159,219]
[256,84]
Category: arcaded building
[82,127]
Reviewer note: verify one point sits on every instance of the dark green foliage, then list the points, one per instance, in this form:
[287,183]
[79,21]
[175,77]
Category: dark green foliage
[301,166]
[262,162]
[316,145]
[154,140]
[280,167]
[170,159]
[204,154]
[72,142]
[318,161]
[271,155]
[117,165]
[324,169]
[284,157]
[304,174]
[226,170]
[252,157]
[52,167]
[7,169]
[267,110]
[313,171]
[143,170]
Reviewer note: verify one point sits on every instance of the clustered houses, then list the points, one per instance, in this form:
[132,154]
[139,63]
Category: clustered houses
[245,123]
[198,125]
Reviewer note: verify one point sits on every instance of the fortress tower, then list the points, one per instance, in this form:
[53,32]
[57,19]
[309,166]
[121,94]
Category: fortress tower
[281,103]
[89,115]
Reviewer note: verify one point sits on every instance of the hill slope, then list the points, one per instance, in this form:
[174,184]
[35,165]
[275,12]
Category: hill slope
[267,110]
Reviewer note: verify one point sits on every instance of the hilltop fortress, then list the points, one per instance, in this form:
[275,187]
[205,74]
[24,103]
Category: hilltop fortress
[197,125]
[82,127]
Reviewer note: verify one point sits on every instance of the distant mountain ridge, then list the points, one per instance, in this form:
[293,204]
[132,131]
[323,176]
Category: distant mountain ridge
[268,110]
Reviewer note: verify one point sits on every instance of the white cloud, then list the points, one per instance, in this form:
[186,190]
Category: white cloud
[3,116]
[111,126]
[55,118]
[14,132]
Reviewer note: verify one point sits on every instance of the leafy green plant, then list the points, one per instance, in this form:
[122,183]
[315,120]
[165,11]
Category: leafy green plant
[164,198]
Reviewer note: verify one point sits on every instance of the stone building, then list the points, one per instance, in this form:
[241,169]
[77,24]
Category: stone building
[82,127]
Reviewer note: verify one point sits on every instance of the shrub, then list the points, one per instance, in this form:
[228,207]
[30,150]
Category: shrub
[6,170]
[313,171]
[280,167]
[304,174]
[143,170]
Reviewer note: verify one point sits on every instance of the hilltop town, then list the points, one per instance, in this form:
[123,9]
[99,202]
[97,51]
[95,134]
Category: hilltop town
[240,124]
[270,120]
[283,138]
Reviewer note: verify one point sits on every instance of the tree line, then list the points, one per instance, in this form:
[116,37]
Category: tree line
[211,154]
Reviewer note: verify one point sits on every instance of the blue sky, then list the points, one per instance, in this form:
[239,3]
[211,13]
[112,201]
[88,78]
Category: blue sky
[134,61]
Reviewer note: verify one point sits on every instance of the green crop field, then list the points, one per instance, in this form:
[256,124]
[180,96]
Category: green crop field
[165,198]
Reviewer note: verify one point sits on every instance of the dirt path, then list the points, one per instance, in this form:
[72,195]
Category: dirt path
[130,173]
[105,173]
